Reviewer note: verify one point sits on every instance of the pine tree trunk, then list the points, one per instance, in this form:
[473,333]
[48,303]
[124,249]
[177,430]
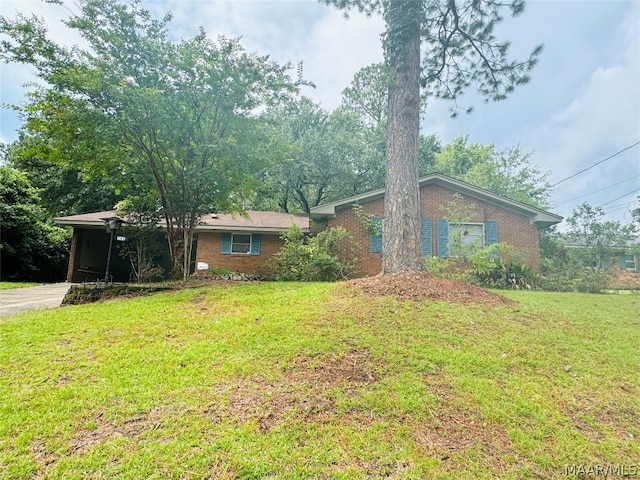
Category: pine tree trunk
[402,249]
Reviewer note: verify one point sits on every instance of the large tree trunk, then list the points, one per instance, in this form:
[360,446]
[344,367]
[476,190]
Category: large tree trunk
[402,249]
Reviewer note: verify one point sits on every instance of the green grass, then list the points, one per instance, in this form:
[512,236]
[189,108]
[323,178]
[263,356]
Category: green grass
[294,381]
[10,285]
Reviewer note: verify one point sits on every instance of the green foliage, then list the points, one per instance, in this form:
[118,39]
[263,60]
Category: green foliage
[494,266]
[595,236]
[367,220]
[452,268]
[326,156]
[500,266]
[368,95]
[30,247]
[328,256]
[459,49]
[144,241]
[65,189]
[506,172]
[573,270]
[573,262]
[186,132]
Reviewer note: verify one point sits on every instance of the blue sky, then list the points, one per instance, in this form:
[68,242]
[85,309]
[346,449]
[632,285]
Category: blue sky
[581,106]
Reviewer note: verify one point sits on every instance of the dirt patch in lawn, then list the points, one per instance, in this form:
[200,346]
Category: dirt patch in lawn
[307,391]
[422,286]
[99,429]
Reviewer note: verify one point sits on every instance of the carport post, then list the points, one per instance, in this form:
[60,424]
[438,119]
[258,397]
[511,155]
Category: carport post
[112,224]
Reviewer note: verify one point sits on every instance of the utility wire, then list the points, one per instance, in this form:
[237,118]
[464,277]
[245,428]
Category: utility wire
[596,191]
[617,208]
[596,164]
[622,196]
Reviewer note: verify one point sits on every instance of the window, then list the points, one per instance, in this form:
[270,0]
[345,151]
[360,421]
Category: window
[630,262]
[465,238]
[461,239]
[240,243]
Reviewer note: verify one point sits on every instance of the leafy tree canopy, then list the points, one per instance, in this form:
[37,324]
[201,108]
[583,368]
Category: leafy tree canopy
[588,228]
[30,247]
[329,156]
[506,172]
[175,117]
[65,189]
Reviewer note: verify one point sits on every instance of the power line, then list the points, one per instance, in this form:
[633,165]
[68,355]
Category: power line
[596,191]
[596,164]
[617,208]
[622,196]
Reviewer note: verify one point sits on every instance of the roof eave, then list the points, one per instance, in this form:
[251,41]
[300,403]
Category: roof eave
[199,228]
[229,228]
[541,218]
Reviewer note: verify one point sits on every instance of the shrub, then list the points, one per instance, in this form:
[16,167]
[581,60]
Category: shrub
[569,275]
[500,266]
[495,266]
[329,256]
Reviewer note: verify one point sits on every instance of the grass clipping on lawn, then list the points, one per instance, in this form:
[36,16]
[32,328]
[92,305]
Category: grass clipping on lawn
[422,286]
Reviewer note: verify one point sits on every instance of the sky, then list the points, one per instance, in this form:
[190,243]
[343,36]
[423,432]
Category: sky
[581,106]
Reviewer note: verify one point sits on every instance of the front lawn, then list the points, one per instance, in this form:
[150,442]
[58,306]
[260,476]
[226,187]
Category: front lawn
[290,380]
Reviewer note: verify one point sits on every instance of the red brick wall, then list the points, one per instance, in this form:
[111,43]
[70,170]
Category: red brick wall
[626,280]
[513,228]
[210,246]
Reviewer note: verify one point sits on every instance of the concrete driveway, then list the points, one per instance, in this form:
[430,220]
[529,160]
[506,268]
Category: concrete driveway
[18,300]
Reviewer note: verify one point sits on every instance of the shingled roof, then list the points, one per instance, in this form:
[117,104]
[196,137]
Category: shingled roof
[255,221]
[539,217]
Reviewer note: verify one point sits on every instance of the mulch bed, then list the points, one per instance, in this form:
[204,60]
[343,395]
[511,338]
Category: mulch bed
[422,286]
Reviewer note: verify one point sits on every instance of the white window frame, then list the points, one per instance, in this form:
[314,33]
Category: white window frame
[234,243]
[467,248]
[630,265]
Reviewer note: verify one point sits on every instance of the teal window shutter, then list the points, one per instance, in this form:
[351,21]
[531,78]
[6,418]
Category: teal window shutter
[226,244]
[491,232]
[255,243]
[427,247]
[442,226]
[375,245]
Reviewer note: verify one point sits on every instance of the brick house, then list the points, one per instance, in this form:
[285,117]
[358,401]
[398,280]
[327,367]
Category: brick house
[491,218]
[245,244]
[242,244]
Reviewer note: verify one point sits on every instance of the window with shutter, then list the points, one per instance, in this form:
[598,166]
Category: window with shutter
[375,242]
[427,247]
[241,243]
[443,237]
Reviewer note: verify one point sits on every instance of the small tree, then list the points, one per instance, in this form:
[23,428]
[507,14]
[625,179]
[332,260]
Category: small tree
[459,213]
[594,237]
[143,242]
[328,256]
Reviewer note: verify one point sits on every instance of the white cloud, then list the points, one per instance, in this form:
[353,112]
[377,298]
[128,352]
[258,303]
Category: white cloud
[602,118]
[331,47]
[339,48]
